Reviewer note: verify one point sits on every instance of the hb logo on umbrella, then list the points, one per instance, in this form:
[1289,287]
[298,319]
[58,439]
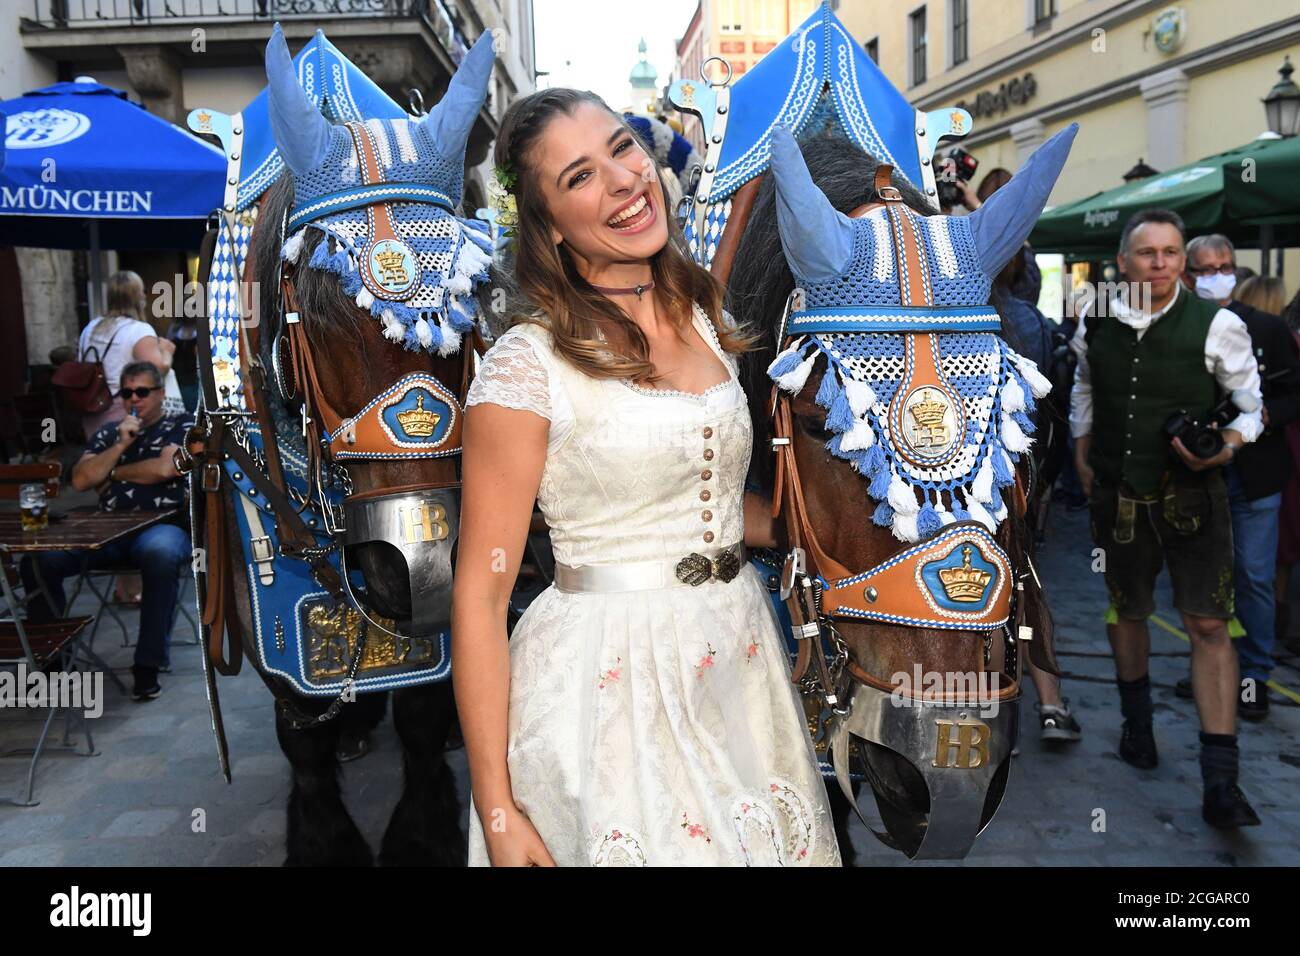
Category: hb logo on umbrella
[37,129]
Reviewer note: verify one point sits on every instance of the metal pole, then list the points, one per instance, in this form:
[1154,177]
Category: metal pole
[1265,247]
[96,273]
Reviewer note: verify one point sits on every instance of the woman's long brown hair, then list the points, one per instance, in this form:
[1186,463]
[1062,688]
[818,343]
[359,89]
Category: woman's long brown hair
[548,281]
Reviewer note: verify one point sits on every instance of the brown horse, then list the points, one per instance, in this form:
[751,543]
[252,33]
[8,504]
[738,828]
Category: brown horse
[838,514]
[348,469]
[352,362]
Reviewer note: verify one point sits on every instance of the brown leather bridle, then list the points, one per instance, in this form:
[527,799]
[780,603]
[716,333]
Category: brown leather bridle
[336,437]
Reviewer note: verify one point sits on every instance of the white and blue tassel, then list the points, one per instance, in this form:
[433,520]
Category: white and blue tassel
[790,370]
[1038,383]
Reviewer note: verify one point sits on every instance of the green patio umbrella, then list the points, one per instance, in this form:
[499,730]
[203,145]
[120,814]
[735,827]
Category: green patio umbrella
[1210,195]
[1263,185]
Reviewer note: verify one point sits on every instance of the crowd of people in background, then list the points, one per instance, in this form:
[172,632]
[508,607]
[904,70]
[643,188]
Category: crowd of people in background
[1184,447]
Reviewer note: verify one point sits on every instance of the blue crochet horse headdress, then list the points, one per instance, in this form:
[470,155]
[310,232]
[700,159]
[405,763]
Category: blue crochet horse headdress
[384,193]
[922,395]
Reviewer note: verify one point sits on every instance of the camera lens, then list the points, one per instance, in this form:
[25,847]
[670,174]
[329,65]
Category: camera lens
[1208,443]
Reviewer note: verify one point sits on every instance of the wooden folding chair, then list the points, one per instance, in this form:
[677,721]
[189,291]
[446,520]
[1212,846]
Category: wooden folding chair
[38,647]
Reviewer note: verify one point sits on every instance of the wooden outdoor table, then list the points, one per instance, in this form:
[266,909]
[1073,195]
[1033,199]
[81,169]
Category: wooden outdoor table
[80,530]
[75,530]
[86,531]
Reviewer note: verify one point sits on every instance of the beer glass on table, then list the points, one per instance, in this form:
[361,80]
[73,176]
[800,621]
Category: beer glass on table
[33,507]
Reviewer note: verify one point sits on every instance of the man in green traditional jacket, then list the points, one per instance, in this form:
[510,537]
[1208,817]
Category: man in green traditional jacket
[1146,354]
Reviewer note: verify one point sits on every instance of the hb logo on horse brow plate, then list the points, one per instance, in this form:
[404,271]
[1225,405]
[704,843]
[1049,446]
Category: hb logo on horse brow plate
[930,424]
[424,523]
[971,744]
[393,267]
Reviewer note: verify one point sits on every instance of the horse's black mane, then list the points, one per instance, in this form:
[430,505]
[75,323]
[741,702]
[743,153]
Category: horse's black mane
[761,280]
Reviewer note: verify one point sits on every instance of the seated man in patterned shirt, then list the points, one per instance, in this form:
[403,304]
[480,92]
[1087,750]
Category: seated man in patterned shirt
[130,462]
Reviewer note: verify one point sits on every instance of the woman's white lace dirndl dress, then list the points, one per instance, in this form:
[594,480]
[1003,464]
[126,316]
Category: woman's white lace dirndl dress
[656,725]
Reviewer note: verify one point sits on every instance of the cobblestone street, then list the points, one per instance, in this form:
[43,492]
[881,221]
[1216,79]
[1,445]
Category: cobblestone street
[134,803]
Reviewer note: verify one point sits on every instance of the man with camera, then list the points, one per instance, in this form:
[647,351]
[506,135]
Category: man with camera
[1152,434]
[1256,479]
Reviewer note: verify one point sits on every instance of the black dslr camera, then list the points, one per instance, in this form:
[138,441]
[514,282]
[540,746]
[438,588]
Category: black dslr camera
[1201,436]
[956,165]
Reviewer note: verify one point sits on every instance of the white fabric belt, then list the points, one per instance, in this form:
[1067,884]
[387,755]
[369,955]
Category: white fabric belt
[634,576]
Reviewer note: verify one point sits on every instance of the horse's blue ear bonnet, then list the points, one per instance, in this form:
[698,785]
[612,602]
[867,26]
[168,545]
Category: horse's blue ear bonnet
[924,396]
[391,233]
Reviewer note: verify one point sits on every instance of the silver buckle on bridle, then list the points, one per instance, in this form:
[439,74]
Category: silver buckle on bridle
[796,565]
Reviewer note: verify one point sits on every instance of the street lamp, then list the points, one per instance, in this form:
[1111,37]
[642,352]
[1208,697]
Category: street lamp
[1282,105]
[1139,172]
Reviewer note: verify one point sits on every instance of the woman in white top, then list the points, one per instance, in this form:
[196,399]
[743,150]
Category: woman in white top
[633,718]
[122,336]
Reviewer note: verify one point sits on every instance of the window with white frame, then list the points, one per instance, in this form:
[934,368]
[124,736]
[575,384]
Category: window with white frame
[916,30]
[959,18]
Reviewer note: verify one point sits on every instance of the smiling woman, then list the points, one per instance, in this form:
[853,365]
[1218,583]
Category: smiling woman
[642,712]
[592,216]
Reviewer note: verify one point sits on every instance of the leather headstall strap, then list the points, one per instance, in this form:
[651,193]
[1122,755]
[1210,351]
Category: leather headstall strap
[251,341]
[805,595]
[296,539]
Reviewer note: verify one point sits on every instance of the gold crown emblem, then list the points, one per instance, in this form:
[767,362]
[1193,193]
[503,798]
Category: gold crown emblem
[965,584]
[957,121]
[418,423]
[205,119]
[393,266]
[929,413]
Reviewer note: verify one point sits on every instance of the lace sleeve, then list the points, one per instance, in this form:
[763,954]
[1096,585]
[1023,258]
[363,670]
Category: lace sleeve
[728,324]
[512,375]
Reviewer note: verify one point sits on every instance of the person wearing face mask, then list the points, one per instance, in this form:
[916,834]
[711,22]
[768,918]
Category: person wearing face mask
[1256,478]
[1146,355]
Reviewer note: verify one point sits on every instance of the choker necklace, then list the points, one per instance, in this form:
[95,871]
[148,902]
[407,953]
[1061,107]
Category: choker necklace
[638,289]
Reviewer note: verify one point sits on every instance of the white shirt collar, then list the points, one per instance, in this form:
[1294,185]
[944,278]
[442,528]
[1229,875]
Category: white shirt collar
[1139,320]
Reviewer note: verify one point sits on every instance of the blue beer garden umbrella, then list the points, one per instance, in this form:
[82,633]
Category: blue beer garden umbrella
[86,168]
